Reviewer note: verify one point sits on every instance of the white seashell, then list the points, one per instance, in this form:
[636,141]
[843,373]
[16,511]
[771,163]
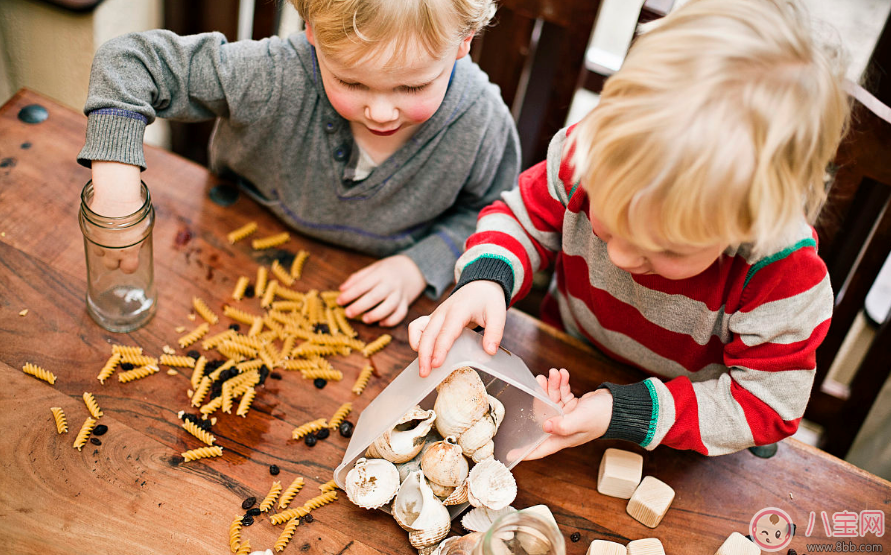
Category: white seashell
[461,401]
[417,510]
[487,451]
[444,464]
[480,434]
[440,491]
[405,439]
[490,484]
[496,409]
[372,483]
[480,519]
[458,496]
[459,545]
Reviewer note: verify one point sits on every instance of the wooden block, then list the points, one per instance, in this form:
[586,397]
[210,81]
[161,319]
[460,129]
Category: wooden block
[601,547]
[737,544]
[648,546]
[620,473]
[650,501]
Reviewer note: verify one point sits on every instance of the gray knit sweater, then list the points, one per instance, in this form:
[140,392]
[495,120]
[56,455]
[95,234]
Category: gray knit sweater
[278,131]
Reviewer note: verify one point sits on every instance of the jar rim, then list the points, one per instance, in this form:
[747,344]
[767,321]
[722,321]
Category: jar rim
[119,222]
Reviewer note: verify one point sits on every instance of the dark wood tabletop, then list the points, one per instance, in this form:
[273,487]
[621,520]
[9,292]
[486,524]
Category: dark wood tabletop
[132,494]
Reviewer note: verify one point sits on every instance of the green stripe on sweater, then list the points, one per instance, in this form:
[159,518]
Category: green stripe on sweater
[654,416]
[764,262]
[496,256]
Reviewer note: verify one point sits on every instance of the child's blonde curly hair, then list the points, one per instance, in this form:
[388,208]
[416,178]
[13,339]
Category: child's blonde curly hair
[717,129]
[352,28]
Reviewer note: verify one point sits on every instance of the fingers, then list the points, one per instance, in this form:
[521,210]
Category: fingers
[397,316]
[451,329]
[368,300]
[384,309]
[428,340]
[129,260]
[553,388]
[415,329]
[354,279]
[494,322]
[542,381]
[550,446]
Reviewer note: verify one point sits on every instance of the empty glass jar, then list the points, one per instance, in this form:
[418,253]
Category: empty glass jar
[532,531]
[121,293]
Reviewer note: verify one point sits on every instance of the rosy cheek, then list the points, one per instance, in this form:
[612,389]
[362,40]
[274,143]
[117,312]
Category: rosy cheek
[420,111]
[342,102]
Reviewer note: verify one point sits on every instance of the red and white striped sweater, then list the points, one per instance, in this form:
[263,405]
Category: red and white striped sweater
[736,342]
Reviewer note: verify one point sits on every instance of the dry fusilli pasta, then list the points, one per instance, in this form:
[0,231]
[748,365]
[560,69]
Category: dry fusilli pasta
[84,433]
[139,360]
[199,433]
[39,373]
[235,534]
[308,428]
[194,335]
[290,493]
[126,350]
[212,406]
[238,315]
[109,367]
[269,294]
[320,500]
[329,375]
[245,548]
[297,264]
[201,391]
[376,345]
[271,241]
[339,415]
[262,276]
[362,380]
[330,485]
[245,404]
[202,453]
[204,311]
[256,327]
[270,498]
[198,372]
[286,515]
[216,339]
[137,373]
[238,234]
[240,288]
[59,417]
[342,324]
[286,534]
[92,405]
[282,274]
[178,361]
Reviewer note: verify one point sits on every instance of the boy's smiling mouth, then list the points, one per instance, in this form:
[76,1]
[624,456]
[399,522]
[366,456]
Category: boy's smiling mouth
[384,133]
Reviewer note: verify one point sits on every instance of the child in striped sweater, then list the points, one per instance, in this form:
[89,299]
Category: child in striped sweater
[677,218]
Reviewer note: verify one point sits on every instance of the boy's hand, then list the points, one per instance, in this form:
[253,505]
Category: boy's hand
[480,302]
[117,193]
[584,418]
[383,290]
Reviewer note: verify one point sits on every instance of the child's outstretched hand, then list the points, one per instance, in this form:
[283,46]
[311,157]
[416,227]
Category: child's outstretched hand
[383,290]
[480,302]
[584,418]
[117,192]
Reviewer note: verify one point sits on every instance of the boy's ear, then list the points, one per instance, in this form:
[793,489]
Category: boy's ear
[463,48]
[310,37]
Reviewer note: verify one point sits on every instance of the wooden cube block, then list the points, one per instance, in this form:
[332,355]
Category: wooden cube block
[737,544]
[601,547]
[620,473]
[648,546]
[650,501]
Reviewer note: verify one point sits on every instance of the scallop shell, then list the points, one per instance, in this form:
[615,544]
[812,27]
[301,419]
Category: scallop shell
[372,483]
[417,510]
[490,484]
[480,519]
[459,545]
[444,464]
[460,402]
[406,439]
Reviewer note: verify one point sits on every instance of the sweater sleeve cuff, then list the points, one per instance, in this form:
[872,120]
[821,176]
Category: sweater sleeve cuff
[491,269]
[114,135]
[435,256]
[635,412]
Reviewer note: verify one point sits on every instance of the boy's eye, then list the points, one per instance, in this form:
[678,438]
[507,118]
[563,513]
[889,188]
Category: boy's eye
[416,89]
[349,85]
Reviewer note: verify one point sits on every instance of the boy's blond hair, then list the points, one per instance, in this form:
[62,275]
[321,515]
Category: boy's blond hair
[717,129]
[352,28]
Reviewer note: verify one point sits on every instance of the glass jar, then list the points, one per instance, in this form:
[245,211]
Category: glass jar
[121,293]
[532,531]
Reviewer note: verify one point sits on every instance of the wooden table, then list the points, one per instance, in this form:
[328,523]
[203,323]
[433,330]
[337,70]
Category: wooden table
[133,495]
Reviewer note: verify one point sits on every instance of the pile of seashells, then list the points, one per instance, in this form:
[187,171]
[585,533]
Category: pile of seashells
[425,473]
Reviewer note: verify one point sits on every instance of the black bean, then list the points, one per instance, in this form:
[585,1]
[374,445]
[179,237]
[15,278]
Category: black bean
[253,512]
[323,433]
[203,424]
[310,440]
[190,417]
[216,389]
[275,376]
[126,366]
[248,503]
[100,430]
[249,292]
[308,518]
[274,470]
[264,373]
[234,326]
[247,520]
[194,354]
[321,328]
[346,428]
[575,537]
[319,382]
[213,365]
[95,441]
[228,374]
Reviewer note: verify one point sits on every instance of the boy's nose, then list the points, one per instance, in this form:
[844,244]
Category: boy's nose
[624,255]
[381,111]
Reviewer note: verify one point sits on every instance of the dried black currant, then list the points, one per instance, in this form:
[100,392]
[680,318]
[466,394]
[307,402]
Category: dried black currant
[126,366]
[213,365]
[95,441]
[323,433]
[100,430]
[248,503]
[274,470]
[308,518]
[346,428]
[194,354]
[310,440]
[249,292]
[575,537]
[321,328]
[234,326]
[275,376]
[247,520]
[253,512]
[216,389]
[319,382]
[264,373]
